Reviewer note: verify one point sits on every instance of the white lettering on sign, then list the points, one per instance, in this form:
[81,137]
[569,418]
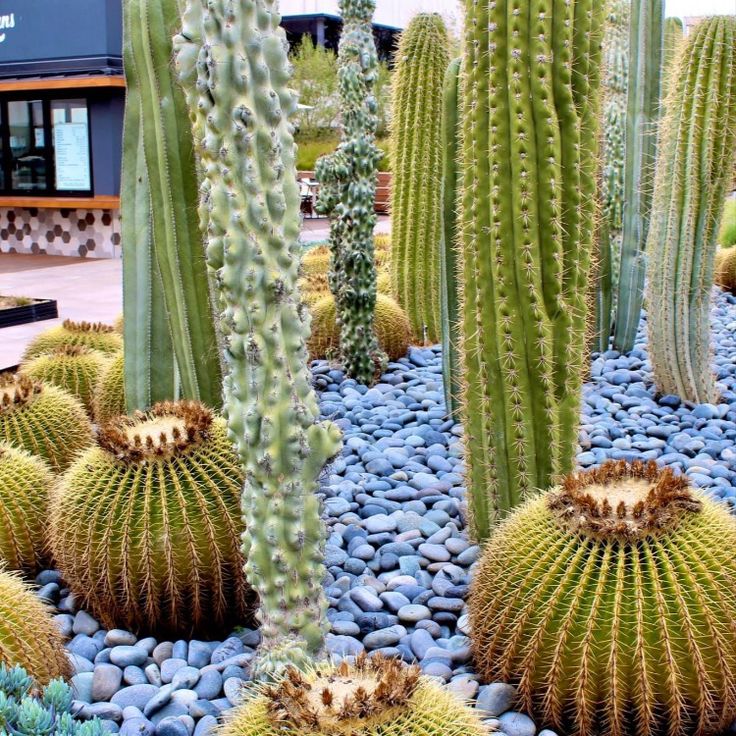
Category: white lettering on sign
[6,21]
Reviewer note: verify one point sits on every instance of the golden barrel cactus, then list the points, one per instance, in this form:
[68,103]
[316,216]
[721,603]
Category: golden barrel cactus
[375,697]
[42,419]
[25,484]
[610,602]
[109,397]
[146,526]
[93,335]
[725,268]
[28,635]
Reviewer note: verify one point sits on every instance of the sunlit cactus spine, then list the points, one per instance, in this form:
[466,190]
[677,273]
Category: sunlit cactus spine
[609,602]
[674,34]
[348,190]
[233,56]
[694,174]
[417,161]
[529,163]
[108,400]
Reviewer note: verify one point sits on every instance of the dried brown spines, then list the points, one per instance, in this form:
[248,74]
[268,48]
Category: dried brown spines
[625,501]
[98,327]
[93,335]
[16,391]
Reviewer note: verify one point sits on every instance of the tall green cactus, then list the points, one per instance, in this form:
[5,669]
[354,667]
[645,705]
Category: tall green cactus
[165,207]
[693,177]
[645,70]
[417,161]
[232,59]
[674,33]
[449,257]
[615,75]
[529,162]
[348,179]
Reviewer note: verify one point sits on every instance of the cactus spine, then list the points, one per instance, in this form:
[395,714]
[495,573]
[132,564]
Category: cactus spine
[674,34]
[645,69]
[416,144]
[695,169]
[232,56]
[449,297]
[348,178]
[527,229]
[159,149]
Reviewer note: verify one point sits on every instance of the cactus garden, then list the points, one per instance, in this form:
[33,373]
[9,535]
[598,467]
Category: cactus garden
[474,476]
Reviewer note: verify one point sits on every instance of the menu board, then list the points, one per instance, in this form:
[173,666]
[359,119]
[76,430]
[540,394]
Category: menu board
[71,152]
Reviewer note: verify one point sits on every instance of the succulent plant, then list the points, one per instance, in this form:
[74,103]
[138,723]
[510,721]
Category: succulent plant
[375,697]
[391,324]
[725,268]
[93,335]
[26,710]
[44,420]
[74,368]
[25,484]
[109,397]
[727,231]
[28,634]
[695,171]
[609,601]
[146,526]
[417,151]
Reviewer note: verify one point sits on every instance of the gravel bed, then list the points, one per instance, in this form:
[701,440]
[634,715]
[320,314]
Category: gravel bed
[397,554]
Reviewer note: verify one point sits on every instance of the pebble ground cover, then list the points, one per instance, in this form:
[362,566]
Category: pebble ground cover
[397,553]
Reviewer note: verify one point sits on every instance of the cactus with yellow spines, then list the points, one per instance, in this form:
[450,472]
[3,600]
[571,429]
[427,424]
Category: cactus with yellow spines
[373,697]
[529,162]
[29,636]
[42,419]
[232,60]
[74,368]
[348,190]
[609,601]
[109,397]
[694,174]
[724,271]
[392,326]
[145,526]
[94,335]
[25,484]
[417,152]
[674,35]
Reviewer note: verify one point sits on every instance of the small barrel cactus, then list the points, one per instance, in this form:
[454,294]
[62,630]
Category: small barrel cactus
[25,484]
[146,526]
[725,268]
[44,420]
[28,635]
[109,398]
[375,697]
[93,335]
[75,368]
[609,601]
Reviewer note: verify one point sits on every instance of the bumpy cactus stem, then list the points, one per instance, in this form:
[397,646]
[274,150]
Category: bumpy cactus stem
[449,297]
[529,146]
[251,198]
[348,179]
[695,169]
[416,145]
[645,70]
[167,204]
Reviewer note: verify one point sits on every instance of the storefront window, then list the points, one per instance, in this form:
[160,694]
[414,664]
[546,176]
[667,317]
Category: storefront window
[27,146]
[71,145]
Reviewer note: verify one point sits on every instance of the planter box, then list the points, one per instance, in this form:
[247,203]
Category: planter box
[383,189]
[39,310]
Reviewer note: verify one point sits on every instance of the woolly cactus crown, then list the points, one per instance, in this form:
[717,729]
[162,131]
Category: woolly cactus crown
[16,391]
[91,334]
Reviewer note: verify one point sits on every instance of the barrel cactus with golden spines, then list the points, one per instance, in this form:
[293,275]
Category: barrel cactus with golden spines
[42,419]
[374,697]
[109,397]
[93,335]
[28,635]
[75,368]
[610,602]
[146,526]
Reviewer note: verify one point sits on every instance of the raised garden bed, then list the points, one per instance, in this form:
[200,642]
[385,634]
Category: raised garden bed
[21,310]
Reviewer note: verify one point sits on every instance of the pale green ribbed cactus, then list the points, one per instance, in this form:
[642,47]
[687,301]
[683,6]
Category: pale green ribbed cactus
[232,58]
[529,162]
[347,195]
[417,156]
[694,174]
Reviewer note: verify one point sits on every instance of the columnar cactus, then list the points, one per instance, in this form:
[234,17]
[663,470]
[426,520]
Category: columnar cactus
[693,176]
[233,56]
[449,257]
[417,161]
[642,114]
[347,195]
[674,33]
[529,162]
[166,287]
